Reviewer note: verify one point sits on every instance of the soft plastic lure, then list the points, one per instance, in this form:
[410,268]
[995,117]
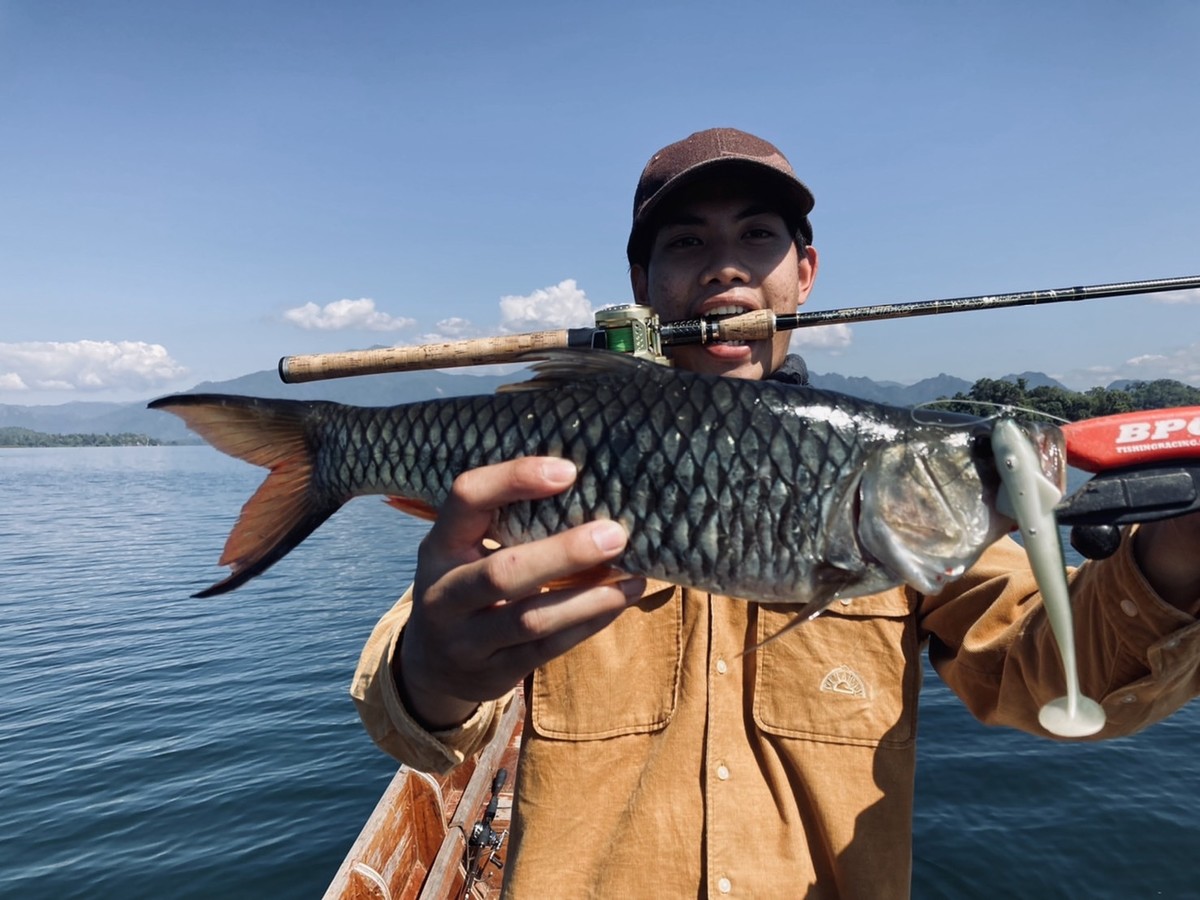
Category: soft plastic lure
[1029,497]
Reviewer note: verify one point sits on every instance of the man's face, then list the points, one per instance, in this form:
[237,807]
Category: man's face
[720,248]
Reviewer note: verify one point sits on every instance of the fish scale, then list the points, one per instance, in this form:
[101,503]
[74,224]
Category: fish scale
[752,489]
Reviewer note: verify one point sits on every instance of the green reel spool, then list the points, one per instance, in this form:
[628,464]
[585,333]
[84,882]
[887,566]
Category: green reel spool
[632,328]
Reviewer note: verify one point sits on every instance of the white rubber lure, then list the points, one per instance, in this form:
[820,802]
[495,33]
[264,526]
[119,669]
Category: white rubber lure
[1029,497]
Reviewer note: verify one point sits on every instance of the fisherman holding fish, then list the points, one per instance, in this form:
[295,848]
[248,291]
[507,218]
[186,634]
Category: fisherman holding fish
[660,758]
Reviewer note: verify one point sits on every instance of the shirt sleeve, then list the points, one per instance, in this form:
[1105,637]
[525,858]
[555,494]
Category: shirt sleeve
[390,724]
[990,640]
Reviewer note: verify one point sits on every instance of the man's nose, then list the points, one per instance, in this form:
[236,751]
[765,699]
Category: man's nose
[724,265]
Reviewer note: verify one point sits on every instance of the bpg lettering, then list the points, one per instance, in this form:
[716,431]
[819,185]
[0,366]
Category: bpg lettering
[1137,432]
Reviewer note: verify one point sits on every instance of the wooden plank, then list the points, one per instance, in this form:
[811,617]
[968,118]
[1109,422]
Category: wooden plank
[447,870]
[402,834]
[414,842]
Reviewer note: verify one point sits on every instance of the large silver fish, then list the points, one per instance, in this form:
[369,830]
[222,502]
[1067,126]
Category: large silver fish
[753,489]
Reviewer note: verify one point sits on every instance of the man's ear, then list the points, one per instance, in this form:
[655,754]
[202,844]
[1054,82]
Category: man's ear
[806,263]
[639,280]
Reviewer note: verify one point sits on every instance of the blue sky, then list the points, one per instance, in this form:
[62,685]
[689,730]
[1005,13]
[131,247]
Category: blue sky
[190,190]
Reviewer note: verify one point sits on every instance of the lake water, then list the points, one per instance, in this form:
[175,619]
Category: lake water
[152,745]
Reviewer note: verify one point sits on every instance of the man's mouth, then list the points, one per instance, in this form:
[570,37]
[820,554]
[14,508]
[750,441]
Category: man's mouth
[728,309]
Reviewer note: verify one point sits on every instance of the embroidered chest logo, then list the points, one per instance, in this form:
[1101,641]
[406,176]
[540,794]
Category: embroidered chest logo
[844,680]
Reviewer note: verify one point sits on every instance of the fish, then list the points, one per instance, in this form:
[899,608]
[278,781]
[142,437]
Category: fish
[761,490]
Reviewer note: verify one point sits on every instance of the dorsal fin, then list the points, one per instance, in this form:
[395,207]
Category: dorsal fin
[552,368]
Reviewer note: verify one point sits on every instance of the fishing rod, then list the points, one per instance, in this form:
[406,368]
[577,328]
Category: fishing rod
[635,329]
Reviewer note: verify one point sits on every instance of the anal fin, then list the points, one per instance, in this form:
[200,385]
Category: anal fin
[418,508]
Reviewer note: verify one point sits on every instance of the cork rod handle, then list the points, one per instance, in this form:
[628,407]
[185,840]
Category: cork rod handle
[475,352]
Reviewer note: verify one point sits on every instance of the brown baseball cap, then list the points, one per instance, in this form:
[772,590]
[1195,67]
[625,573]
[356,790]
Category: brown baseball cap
[702,155]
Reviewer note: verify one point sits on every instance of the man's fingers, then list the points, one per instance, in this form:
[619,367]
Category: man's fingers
[513,573]
[497,648]
[467,513]
[541,628]
[521,570]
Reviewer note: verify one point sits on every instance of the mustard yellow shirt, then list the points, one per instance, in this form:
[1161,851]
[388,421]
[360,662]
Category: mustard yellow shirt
[658,760]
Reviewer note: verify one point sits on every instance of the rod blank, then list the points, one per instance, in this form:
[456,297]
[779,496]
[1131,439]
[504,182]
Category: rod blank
[985,301]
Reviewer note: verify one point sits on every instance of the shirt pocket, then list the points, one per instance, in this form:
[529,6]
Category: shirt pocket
[623,680]
[850,676]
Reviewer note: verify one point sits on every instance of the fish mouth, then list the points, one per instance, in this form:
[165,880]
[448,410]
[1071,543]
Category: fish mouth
[926,514]
[1049,447]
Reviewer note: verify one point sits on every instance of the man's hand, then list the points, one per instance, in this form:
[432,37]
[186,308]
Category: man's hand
[1168,553]
[480,622]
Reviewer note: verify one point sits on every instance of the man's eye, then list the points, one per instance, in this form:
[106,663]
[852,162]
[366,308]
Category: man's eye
[760,234]
[684,241]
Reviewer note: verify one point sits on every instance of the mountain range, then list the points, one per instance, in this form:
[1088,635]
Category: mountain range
[117,418]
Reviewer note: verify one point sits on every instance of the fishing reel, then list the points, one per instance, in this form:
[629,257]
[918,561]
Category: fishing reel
[483,848]
[630,328]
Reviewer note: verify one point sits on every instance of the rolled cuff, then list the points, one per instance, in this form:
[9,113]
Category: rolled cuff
[390,724]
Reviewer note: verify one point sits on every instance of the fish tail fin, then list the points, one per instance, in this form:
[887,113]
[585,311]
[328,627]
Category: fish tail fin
[286,508]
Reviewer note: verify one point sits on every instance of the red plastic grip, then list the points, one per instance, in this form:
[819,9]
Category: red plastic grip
[1114,442]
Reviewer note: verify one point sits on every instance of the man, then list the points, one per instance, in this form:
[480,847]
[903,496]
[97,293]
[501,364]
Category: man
[657,759]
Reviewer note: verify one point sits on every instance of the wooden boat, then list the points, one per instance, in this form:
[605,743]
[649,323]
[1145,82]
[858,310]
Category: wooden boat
[438,836]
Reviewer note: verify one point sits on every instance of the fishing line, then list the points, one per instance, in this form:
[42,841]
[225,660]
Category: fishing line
[1003,410]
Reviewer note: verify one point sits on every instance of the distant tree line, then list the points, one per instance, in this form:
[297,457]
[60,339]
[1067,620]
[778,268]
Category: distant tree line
[26,437]
[1073,405]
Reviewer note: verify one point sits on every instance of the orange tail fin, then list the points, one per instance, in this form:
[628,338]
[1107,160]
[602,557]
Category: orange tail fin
[286,508]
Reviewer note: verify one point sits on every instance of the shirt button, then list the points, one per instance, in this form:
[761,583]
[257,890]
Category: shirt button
[722,773]
[1172,643]
[1129,608]
[724,886]
[1129,698]
[722,667]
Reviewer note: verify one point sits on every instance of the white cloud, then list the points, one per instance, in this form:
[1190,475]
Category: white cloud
[1096,375]
[341,314]
[563,305]
[457,327]
[1192,296]
[1179,364]
[823,337]
[1147,360]
[85,365]
[454,328]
